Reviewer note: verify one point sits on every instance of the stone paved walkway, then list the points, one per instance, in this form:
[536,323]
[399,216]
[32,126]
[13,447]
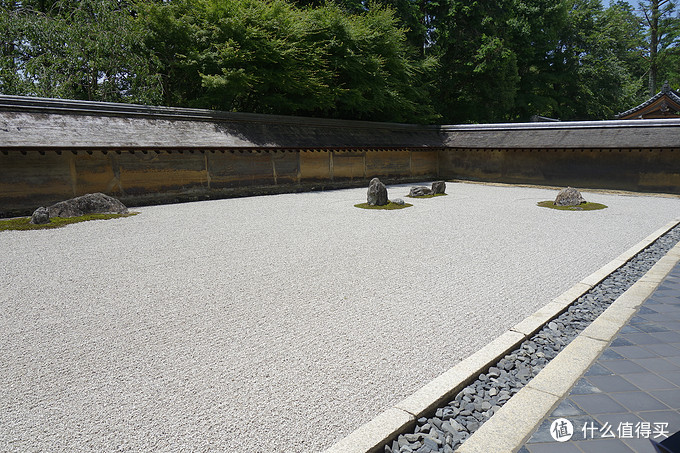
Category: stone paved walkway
[632,392]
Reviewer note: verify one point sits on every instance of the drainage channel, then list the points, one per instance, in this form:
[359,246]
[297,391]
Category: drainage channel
[450,425]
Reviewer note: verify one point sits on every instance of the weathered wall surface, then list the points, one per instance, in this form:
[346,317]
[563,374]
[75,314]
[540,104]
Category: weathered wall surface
[640,170]
[637,155]
[32,178]
[51,150]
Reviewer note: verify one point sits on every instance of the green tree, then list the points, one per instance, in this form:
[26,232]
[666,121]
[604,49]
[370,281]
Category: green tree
[577,60]
[271,57]
[567,59]
[478,78]
[89,49]
[663,36]
[598,55]
[416,17]
[535,29]
[374,75]
[419,19]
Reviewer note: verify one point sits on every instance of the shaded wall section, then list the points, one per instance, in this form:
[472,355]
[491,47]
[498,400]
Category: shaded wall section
[32,177]
[640,170]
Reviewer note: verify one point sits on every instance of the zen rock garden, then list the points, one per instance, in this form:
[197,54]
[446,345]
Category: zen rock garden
[93,206]
[92,203]
[438,188]
[377,197]
[570,199]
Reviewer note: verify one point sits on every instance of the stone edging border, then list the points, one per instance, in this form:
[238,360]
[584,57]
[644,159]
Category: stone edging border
[514,423]
[373,435]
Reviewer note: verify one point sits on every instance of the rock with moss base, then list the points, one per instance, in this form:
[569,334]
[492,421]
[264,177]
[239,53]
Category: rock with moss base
[420,191]
[569,197]
[377,193]
[92,203]
[40,216]
[439,187]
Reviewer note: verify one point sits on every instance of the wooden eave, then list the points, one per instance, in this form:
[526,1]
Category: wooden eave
[662,105]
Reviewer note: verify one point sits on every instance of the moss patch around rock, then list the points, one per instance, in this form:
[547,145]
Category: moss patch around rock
[429,196]
[23,223]
[388,206]
[582,207]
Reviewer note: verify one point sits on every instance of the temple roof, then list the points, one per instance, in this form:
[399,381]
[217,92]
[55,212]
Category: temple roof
[664,104]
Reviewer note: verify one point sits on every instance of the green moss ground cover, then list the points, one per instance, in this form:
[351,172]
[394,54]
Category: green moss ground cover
[23,223]
[388,206]
[430,196]
[582,207]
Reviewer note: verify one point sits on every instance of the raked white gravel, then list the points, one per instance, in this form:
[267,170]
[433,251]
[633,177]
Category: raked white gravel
[275,323]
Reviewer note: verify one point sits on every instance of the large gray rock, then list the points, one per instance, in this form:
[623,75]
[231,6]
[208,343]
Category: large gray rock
[377,193]
[92,203]
[439,187]
[569,197]
[420,191]
[40,216]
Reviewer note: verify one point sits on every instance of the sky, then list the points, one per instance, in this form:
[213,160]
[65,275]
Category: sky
[634,3]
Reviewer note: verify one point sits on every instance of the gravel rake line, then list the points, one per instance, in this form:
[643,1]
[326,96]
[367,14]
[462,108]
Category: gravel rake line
[453,423]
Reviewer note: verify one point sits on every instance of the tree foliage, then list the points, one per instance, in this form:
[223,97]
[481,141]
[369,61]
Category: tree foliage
[452,61]
[80,50]
[596,73]
[478,77]
[271,57]
[663,36]
[510,60]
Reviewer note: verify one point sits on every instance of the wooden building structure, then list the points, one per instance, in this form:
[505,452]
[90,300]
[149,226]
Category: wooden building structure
[664,104]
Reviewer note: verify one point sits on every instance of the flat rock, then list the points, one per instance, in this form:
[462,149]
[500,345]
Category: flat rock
[432,443]
[455,425]
[414,437]
[92,203]
[40,216]
[569,197]
[377,193]
[420,191]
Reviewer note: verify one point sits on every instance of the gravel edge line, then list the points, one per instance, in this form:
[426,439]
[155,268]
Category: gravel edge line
[424,423]
[514,424]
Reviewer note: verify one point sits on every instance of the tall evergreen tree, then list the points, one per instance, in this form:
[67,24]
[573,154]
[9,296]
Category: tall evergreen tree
[663,33]
[599,81]
[478,77]
[536,28]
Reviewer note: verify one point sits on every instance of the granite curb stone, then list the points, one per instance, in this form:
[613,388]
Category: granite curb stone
[632,383]
[566,369]
[498,438]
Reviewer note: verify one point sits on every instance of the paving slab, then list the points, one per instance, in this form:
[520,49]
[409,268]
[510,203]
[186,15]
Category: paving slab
[626,390]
